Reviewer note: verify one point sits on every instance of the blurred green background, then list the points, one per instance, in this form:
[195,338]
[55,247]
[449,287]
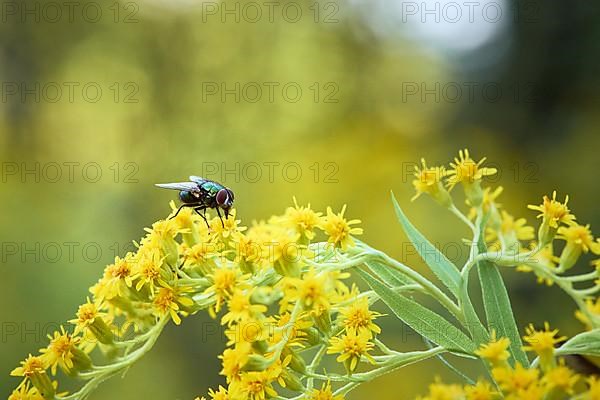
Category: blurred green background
[332,101]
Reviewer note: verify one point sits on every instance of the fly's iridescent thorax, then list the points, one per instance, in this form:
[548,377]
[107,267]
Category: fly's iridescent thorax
[212,187]
[187,197]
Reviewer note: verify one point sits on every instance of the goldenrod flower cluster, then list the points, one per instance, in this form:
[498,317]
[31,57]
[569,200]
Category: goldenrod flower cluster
[282,290]
[549,380]
[263,284]
[512,242]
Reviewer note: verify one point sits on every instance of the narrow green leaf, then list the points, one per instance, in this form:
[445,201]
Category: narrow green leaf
[443,268]
[390,276]
[478,332]
[586,343]
[498,309]
[424,321]
[450,366]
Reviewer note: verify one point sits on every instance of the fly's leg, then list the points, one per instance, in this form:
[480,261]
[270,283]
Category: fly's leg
[220,217]
[179,209]
[202,208]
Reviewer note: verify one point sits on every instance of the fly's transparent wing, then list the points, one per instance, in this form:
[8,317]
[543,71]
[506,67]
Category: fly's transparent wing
[189,186]
[198,179]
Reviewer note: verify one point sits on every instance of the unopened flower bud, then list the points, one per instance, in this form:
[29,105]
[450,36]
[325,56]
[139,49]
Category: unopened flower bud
[323,322]
[43,384]
[292,382]
[313,336]
[287,268]
[260,346]
[101,331]
[441,195]
[569,256]
[297,363]
[546,233]
[256,362]
[171,250]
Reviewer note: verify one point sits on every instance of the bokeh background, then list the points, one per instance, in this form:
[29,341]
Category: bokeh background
[332,102]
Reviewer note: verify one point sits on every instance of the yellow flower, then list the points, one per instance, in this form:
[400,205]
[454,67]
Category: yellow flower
[147,270]
[241,309]
[489,200]
[481,391]
[339,230]
[351,346]
[168,301]
[253,386]
[250,331]
[496,351]
[542,343]
[535,391]
[162,237]
[228,227]
[200,255]
[248,252]
[221,394]
[60,351]
[511,231]
[442,391]
[117,277]
[302,219]
[33,369]
[580,236]
[466,170]
[545,258]
[224,282]
[31,366]
[312,290]
[324,393]
[358,317]
[234,359]
[553,211]
[86,314]
[25,392]
[579,239]
[512,380]
[282,251]
[89,318]
[298,333]
[278,371]
[165,229]
[561,378]
[185,217]
[429,180]
[518,227]
[594,388]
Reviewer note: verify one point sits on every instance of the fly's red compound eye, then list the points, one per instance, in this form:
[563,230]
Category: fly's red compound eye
[222,197]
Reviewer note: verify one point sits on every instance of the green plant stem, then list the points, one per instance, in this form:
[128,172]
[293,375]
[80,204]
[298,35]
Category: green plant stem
[393,364]
[425,283]
[374,297]
[463,218]
[102,373]
[581,278]
[313,365]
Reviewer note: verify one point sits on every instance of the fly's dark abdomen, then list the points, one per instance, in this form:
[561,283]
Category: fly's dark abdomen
[187,197]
